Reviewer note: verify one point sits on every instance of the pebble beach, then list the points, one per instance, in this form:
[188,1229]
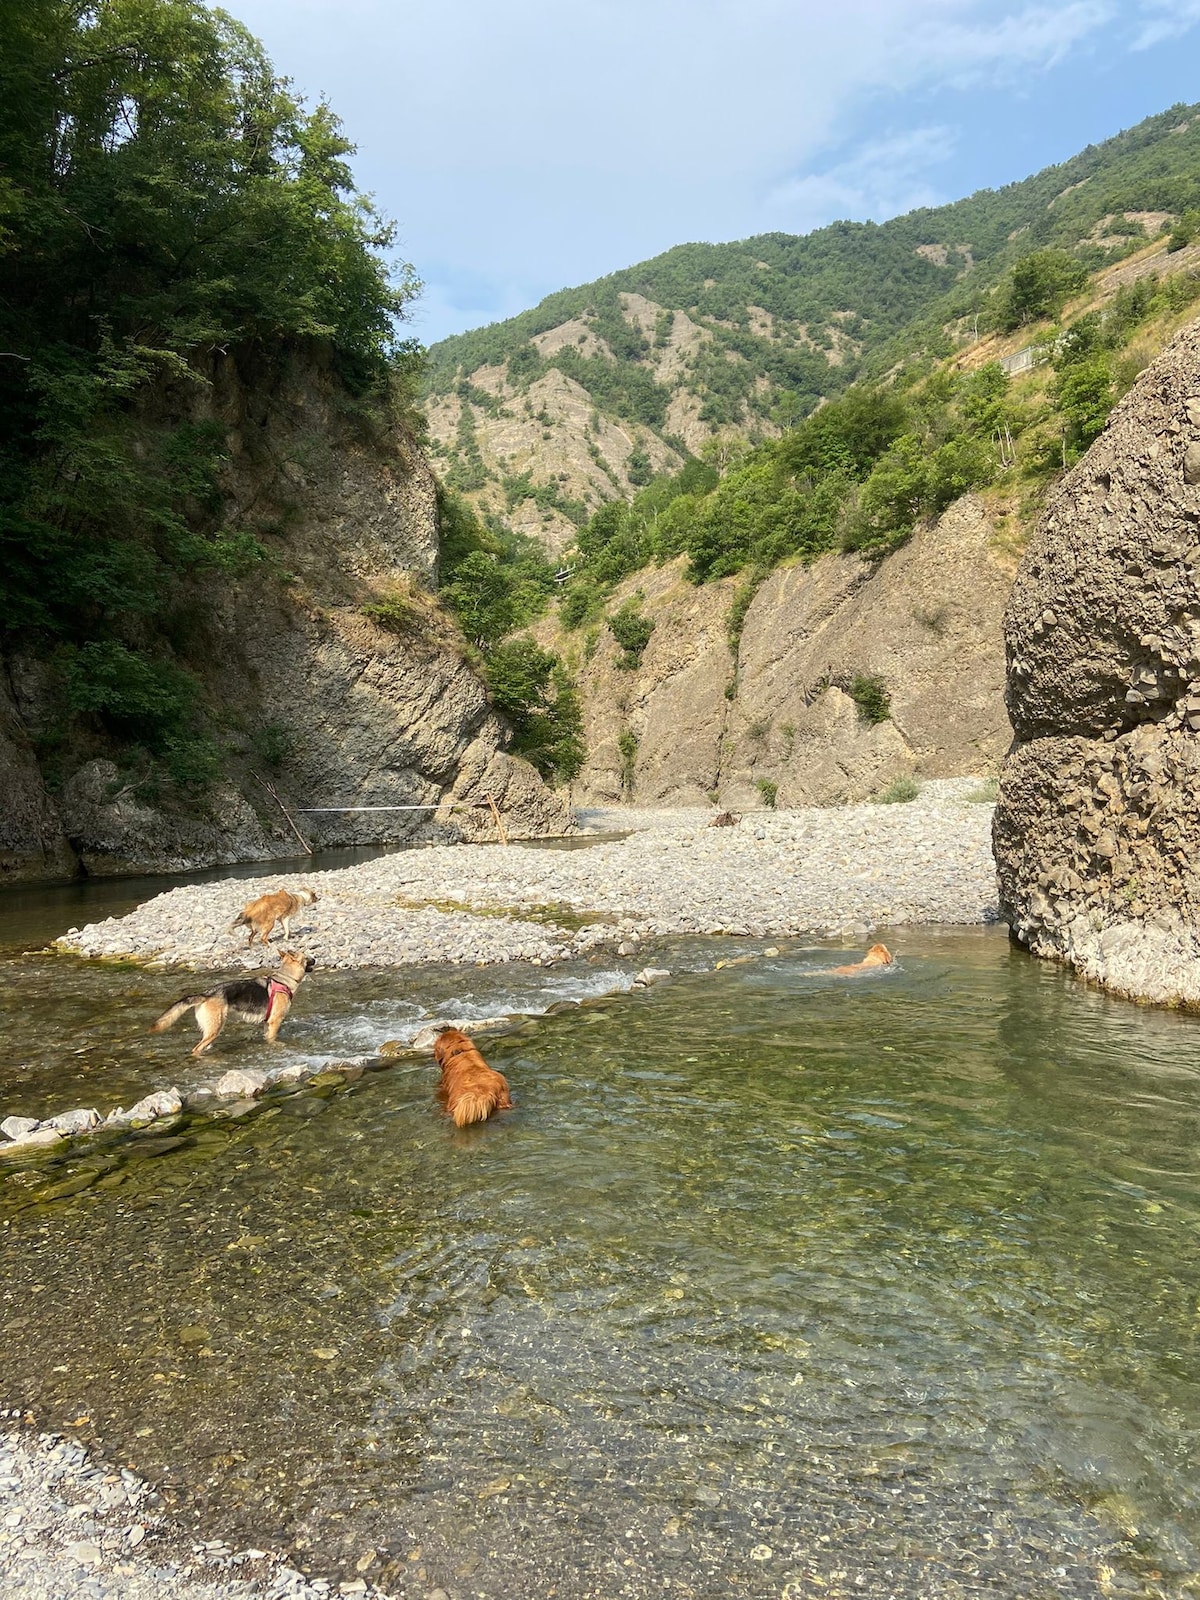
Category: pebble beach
[840,871]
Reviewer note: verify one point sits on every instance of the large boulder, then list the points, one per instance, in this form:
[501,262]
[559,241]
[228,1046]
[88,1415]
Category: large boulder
[1098,822]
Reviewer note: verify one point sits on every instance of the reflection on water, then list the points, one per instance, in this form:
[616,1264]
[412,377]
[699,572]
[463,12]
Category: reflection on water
[771,1285]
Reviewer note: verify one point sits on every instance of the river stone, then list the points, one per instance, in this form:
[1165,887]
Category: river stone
[295,1073]
[75,1122]
[18,1127]
[649,975]
[239,1084]
[163,1103]
[69,1186]
[39,1138]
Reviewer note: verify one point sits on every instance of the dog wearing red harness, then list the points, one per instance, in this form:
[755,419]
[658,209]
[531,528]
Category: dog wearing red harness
[266,999]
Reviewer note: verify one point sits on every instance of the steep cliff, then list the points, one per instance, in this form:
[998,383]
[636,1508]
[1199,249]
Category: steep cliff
[1098,823]
[326,669]
[705,715]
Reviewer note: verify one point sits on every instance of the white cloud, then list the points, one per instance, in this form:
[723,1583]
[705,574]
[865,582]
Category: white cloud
[1165,19]
[537,144]
[1034,39]
[881,179]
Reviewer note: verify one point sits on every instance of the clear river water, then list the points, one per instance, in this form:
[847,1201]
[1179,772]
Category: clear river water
[773,1283]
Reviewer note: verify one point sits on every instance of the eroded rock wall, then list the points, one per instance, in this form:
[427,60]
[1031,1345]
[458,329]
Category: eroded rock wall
[1098,825]
[926,622]
[302,689]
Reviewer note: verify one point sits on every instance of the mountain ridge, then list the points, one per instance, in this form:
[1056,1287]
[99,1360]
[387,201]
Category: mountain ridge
[541,418]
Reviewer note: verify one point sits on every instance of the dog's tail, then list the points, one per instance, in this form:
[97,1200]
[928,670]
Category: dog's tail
[173,1013]
[473,1106]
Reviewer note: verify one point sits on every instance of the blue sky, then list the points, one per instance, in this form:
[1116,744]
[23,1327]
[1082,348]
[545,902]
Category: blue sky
[524,145]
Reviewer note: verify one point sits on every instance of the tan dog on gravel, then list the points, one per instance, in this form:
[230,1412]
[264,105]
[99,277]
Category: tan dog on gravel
[261,915]
[266,999]
[877,956]
[469,1089]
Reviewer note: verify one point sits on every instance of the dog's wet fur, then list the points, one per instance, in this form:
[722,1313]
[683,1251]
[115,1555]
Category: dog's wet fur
[469,1089]
[251,999]
[877,956]
[261,915]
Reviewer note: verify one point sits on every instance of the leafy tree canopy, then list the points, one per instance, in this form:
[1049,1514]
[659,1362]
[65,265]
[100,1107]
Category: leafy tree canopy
[165,199]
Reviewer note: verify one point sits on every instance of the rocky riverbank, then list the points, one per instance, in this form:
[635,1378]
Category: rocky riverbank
[70,1525]
[771,874]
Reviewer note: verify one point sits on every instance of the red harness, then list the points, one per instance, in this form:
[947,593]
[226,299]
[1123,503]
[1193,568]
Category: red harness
[276,987]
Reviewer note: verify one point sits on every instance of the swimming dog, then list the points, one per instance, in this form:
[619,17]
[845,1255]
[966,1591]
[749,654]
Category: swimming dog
[261,915]
[877,956]
[469,1089]
[264,999]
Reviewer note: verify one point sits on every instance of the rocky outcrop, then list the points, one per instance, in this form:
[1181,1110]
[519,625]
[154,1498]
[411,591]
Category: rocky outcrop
[1098,827]
[694,723]
[32,843]
[328,671]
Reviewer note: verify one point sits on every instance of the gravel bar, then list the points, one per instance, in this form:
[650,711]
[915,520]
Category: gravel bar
[772,874]
[73,1526]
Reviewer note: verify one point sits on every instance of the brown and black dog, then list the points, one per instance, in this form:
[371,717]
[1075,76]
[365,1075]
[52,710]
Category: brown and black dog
[877,956]
[261,915]
[263,999]
[469,1089]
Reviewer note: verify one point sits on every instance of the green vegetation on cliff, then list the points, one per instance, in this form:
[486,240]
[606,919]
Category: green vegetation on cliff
[165,202]
[497,582]
[863,470]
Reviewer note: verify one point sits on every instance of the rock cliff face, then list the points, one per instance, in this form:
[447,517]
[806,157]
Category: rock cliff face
[692,722]
[1098,824]
[302,688]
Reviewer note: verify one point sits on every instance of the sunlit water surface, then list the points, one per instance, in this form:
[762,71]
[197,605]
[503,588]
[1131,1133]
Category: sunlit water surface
[773,1284]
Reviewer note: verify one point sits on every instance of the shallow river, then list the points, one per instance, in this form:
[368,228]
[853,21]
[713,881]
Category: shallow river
[772,1284]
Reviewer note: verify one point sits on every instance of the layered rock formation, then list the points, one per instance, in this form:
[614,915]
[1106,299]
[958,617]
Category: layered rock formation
[699,720]
[1098,824]
[331,704]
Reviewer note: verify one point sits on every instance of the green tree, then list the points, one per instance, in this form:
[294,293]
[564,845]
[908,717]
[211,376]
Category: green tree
[1085,394]
[1039,285]
[531,688]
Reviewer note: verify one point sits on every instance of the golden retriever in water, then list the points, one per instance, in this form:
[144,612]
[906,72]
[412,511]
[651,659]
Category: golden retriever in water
[263,999]
[469,1089]
[877,956]
[261,915]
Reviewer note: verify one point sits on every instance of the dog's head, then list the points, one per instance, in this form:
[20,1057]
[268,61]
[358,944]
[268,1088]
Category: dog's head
[447,1042]
[878,956]
[295,964]
[307,897]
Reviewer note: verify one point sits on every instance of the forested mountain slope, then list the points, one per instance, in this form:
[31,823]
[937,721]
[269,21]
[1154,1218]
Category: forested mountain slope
[585,398]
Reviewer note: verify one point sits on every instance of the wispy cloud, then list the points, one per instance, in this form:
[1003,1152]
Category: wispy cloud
[881,179]
[1165,19]
[1034,39]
